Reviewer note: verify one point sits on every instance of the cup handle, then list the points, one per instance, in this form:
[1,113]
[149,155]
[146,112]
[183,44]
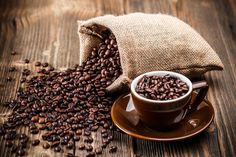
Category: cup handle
[203,88]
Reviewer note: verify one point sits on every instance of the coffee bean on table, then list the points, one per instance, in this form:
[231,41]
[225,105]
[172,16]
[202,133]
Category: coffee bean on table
[76,138]
[9,79]
[70,155]
[88,139]
[14,148]
[46,145]
[34,131]
[112,149]
[67,105]
[81,146]
[35,142]
[26,61]
[57,149]
[35,118]
[91,154]
[23,136]
[110,138]
[37,64]
[21,152]
[11,69]
[70,145]
[44,64]
[13,53]
[9,143]
[98,150]
[55,143]
[89,147]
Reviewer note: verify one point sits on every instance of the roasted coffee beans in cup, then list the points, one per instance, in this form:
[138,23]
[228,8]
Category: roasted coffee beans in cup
[163,98]
[161,87]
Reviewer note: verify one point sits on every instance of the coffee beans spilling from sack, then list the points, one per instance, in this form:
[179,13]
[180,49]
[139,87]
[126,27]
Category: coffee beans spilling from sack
[150,42]
[161,87]
[67,106]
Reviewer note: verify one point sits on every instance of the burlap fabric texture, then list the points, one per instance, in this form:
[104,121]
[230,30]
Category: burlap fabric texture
[149,42]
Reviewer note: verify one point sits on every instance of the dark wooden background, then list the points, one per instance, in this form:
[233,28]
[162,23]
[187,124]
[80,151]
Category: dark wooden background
[46,30]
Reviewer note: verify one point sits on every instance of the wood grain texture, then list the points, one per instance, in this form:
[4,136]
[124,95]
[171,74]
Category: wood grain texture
[46,30]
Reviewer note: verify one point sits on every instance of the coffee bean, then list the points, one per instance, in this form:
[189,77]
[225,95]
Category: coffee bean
[105,135]
[9,143]
[81,147]
[89,147]
[112,149]
[23,136]
[35,142]
[35,118]
[88,139]
[55,143]
[26,61]
[11,69]
[44,64]
[70,155]
[57,149]
[37,64]
[91,154]
[21,152]
[42,127]
[46,145]
[9,79]
[76,138]
[87,133]
[14,148]
[110,138]
[41,120]
[104,145]
[34,131]
[98,150]
[13,53]
[70,145]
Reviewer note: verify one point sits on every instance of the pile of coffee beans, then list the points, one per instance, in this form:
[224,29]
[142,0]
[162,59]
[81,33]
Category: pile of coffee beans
[67,106]
[161,87]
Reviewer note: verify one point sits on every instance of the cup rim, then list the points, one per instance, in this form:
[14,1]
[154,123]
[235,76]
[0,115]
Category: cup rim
[161,73]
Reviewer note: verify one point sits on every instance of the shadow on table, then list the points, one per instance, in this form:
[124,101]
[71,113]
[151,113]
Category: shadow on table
[192,146]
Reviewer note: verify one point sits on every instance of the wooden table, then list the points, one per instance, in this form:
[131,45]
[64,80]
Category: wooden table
[46,30]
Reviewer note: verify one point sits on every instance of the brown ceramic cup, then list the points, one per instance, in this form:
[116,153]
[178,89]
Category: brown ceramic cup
[166,114]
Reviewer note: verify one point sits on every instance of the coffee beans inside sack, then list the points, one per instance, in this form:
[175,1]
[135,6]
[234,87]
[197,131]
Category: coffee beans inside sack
[65,107]
[150,42]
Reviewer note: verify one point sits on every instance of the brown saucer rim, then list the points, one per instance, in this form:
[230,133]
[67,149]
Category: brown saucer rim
[161,139]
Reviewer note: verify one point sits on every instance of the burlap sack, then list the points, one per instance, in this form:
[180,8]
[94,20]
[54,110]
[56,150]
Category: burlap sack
[148,42]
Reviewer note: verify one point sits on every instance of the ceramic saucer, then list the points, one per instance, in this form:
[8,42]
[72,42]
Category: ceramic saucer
[192,125]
